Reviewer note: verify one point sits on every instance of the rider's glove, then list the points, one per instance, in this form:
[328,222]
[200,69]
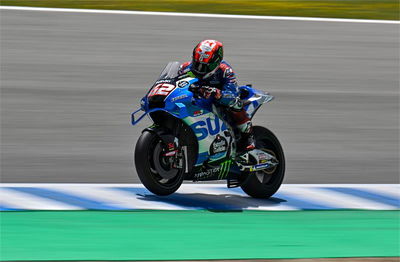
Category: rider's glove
[207,92]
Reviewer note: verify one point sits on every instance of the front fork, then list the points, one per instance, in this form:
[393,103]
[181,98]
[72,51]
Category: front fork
[176,154]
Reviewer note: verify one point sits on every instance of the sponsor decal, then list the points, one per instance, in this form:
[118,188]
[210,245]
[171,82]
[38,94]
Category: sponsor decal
[172,153]
[219,145]
[259,167]
[225,167]
[261,156]
[203,129]
[208,173]
[162,81]
[162,89]
[183,83]
[198,113]
[178,97]
[171,150]
[171,146]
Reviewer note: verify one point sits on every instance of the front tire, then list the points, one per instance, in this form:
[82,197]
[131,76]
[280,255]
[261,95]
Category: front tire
[151,167]
[265,183]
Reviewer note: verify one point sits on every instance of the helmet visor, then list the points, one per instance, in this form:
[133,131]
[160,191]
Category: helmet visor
[199,68]
[202,69]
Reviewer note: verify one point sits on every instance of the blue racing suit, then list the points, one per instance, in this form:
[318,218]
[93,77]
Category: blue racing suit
[224,79]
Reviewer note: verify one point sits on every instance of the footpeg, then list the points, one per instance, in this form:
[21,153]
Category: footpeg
[233,181]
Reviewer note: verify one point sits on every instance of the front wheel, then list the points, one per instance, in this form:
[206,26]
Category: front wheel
[154,168]
[265,183]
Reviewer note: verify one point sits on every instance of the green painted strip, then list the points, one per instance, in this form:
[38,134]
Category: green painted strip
[365,9]
[172,235]
[222,170]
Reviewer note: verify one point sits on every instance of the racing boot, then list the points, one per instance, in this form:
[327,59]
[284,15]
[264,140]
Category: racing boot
[245,128]
[246,142]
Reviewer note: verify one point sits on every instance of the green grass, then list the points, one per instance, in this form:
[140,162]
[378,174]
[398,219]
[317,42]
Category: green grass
[190,235]
[361,9]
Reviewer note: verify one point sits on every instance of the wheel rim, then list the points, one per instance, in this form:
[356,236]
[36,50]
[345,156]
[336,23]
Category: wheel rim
[161,163]
[267,176]
[160,168]
[270,171]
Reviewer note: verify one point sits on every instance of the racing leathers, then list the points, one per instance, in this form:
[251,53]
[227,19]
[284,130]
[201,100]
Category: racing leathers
[220,88]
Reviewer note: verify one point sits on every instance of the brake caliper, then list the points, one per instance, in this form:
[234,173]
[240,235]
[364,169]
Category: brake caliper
[172,151]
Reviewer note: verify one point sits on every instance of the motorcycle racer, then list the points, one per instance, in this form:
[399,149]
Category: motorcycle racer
[218,85]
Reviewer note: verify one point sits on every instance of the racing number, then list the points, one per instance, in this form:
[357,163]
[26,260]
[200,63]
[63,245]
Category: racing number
[161,90]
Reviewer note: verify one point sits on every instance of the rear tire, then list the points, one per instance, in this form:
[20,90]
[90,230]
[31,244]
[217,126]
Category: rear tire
[148,161]
[265,184]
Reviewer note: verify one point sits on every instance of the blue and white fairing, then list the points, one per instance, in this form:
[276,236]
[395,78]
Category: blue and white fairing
[213,136]
[254,100]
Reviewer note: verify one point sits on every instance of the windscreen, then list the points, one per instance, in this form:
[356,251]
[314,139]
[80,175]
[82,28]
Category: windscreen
[170,71]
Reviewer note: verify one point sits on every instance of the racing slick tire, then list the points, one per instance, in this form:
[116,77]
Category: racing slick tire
[265,183]
[152,166]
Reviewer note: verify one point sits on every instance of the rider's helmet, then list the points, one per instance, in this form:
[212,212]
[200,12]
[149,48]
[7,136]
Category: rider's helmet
[207,56]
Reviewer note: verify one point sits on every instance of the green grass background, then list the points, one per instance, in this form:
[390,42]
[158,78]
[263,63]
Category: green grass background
[365,9]
[189,235]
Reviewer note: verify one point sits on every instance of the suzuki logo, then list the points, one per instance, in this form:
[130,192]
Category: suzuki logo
[203,129]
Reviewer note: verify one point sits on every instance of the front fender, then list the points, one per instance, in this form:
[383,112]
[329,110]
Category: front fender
[161,133]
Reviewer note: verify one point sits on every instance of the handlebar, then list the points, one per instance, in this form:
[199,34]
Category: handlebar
[194,88]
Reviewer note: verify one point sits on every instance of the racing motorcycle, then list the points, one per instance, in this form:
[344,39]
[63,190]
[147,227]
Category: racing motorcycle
[189,141]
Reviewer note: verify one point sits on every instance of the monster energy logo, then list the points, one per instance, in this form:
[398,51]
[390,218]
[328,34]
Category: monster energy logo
[225,167]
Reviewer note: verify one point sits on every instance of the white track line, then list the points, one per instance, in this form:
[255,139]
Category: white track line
[195,185]
[63,185]
[345,185]
[21,200]
[336,199]
[256,17]
[213,195]
[390,192]
[213,189]
[118,198]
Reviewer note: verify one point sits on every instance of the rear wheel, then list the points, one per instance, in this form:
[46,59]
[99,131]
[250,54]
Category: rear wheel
[155,170]
[265,183]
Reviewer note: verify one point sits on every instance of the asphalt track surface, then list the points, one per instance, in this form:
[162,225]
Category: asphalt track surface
[70,80]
